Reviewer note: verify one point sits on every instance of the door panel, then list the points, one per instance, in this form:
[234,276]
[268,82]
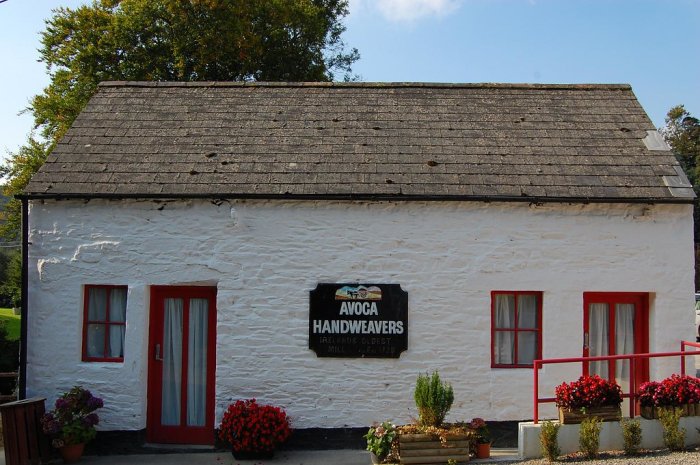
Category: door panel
[181,365]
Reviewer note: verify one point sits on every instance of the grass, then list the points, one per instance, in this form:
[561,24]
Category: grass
[11,323]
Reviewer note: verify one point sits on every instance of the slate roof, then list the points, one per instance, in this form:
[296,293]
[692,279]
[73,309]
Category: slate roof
[363,141]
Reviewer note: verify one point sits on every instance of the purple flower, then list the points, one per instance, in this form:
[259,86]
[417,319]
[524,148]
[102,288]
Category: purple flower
[92,419]
[62,403]
[93,403]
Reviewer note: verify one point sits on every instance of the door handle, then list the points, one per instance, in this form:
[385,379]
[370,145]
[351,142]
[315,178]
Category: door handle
[158,357]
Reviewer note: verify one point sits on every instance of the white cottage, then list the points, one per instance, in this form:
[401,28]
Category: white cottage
[175,235]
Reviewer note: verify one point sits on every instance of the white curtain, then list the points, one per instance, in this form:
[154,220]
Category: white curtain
[527,319]
[172,362]
[505,318]
[624,341]
[598,338]
[117,313]
[197,363]
[97,311]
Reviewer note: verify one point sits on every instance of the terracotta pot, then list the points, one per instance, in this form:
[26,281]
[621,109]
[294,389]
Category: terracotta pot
[72,453]
[483,451]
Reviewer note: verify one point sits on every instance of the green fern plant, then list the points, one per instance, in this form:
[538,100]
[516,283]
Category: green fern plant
[433,399]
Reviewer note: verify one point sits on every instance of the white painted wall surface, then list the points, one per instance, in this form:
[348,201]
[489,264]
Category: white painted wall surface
[265,257]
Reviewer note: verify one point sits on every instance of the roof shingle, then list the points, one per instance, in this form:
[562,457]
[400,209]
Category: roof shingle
[362,140]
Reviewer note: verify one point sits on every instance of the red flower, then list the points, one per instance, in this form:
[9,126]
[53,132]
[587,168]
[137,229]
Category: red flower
[250,427]
[588,391]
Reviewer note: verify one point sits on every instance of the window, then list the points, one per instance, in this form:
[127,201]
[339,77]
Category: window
[516,328]
[104,323]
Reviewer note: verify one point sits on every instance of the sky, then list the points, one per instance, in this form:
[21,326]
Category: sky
[653,45]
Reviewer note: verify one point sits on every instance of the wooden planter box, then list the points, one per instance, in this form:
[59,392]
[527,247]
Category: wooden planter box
[689,410]
[426,449]
[605,413]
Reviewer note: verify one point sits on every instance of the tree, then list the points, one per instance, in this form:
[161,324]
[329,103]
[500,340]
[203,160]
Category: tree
[682,132]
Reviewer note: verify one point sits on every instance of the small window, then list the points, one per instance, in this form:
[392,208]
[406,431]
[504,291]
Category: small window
[104,323]
[516,328]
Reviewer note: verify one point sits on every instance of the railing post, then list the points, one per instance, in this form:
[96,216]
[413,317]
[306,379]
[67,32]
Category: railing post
[535,413]
[633,402]
[682,358]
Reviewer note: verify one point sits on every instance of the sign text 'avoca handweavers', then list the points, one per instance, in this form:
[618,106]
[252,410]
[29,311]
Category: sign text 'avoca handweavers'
[358,320]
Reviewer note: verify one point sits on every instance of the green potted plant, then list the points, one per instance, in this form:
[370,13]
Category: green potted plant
[254,431]
[379,439]
[71,424]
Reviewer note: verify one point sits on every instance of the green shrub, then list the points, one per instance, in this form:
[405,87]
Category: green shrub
[433,399]
[589,437]
[674,437]
[631,435]
[548,440]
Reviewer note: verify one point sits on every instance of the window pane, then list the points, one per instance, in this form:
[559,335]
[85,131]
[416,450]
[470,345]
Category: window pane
[598,338]
[96,340]
[527,311]
[97,304]
[527,347]
[504,347]
[505,311]
[197,363]
[117,305]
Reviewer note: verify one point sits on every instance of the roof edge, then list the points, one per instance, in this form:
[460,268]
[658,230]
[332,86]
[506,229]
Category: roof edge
[358,197]
[378,85]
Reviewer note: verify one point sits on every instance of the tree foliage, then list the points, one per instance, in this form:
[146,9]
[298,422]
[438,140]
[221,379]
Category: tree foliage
[682,132]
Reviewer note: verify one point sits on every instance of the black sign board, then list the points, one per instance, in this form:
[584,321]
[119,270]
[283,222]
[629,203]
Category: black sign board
[358,320]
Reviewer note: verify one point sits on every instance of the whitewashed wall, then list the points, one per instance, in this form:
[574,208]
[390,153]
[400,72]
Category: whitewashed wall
[265,256]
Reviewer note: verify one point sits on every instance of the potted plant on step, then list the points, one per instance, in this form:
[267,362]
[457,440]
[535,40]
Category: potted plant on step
[588,396]
[482,438]
[72,423]
[379,439]
[254,431]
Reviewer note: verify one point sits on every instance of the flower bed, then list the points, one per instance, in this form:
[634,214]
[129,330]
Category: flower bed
[676,391]
[588,396]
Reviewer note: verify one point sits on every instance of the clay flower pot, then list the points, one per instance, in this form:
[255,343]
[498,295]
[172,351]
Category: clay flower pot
[72,453]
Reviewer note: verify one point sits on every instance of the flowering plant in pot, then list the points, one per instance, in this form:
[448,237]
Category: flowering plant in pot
[72,421]
[482,437]
[589,395]
[674,391]
[254,430]
[379,440]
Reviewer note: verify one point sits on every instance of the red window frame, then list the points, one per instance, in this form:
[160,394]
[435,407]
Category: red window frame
[107,323]
[516,331]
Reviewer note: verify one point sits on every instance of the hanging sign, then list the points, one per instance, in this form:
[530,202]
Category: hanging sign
[358,320]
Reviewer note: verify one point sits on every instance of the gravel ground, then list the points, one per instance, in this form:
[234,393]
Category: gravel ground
[660,457]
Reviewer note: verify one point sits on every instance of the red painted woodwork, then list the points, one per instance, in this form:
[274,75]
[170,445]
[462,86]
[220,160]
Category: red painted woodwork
[181,434]
[641,329]
[515,330]
[107,323]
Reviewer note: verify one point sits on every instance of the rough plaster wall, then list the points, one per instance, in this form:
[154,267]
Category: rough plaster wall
[264,257]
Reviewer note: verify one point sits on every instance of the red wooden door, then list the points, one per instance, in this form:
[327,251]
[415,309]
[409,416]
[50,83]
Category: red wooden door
[181,365]
[616,323]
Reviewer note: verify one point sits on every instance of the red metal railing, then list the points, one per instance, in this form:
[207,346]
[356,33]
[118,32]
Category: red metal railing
[631,394]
